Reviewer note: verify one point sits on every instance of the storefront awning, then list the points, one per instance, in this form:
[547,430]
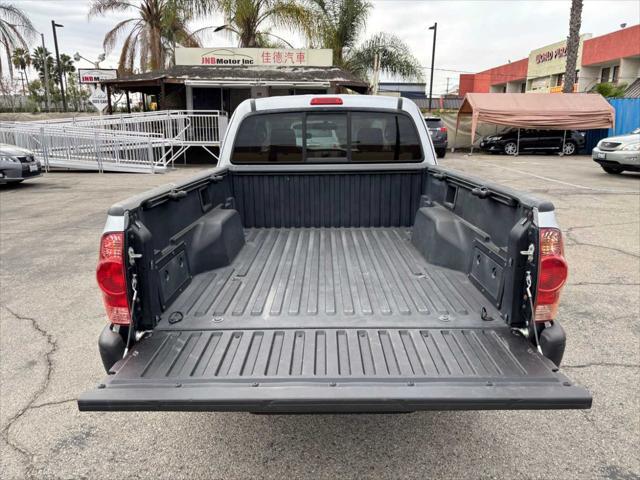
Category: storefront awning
[551,111]
[244,76]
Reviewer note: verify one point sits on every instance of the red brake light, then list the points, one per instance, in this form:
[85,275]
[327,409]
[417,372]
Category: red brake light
[443,129]
[552,274]
[111,277]
[326,101]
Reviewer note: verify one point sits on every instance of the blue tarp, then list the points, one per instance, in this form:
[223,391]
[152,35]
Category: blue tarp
[627,119]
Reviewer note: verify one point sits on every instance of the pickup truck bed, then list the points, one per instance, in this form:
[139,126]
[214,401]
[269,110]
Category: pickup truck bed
[330,313]
[317,277]
[327,265]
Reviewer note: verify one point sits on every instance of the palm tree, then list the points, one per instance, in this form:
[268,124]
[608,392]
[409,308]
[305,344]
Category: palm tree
[66,66]
[339,26]
[21,59]
[15,31]
[38,58]
[573,44]
[251,20]
[153,32]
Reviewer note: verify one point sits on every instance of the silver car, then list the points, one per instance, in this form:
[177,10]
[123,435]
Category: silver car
[617,154]
[17,164]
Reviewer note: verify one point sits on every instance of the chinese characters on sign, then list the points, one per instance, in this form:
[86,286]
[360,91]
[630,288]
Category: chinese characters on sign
[283,57]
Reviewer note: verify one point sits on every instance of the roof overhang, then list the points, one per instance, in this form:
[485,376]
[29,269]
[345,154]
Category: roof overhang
[254,82]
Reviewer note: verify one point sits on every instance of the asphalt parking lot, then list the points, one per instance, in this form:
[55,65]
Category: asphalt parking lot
[51,315]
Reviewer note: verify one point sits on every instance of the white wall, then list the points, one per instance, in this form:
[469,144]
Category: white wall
[629,70]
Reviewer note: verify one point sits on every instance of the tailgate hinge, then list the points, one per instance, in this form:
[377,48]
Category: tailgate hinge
[133,256]
[529,252]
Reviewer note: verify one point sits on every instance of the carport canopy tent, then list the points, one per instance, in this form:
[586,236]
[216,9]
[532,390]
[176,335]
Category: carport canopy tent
[549,111]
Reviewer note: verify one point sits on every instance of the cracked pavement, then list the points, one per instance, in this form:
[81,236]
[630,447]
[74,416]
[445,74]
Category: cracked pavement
[51,315]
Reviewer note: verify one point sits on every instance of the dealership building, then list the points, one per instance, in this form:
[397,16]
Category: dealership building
[221,78]
[614,58]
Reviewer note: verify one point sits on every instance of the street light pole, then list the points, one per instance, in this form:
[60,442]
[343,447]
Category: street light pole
[46,74]
[55,41]
[434,27]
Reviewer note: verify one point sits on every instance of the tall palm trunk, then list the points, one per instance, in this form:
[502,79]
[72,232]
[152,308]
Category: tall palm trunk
[157,56]
[573,44]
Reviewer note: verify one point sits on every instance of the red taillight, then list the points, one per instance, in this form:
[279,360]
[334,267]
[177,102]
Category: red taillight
[443,129]
[326,101]
[111,277]
[552,274]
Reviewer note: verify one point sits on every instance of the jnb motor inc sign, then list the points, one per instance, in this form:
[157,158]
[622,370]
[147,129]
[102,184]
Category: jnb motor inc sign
[96,75]
[251,57]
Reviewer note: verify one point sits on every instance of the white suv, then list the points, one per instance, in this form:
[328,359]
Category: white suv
[617,154]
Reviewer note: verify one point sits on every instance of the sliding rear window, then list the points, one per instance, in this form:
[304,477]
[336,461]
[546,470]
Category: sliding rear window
[327,137]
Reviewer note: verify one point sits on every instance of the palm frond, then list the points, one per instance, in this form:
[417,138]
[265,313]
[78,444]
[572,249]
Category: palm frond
[102,7]
[112,36]
[395,57]
[13,15]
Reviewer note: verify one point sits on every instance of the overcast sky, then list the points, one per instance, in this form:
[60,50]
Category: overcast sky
[472,35]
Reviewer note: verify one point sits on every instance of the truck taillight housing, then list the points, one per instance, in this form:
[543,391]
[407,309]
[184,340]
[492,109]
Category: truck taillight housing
[552,274]
[111,278]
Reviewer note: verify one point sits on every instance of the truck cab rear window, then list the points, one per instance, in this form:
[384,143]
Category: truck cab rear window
[327,137]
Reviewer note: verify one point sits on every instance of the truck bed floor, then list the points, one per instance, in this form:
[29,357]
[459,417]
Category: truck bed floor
[333,277]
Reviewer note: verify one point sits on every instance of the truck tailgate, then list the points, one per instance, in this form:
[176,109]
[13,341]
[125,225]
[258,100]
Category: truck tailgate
[334,370]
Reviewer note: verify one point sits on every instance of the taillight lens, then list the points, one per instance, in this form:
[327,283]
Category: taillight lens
[443,129]
[552,274]
[326,101]
[111,278]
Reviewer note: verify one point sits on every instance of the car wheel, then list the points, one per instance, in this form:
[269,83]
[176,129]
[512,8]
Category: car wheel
[612,170]
[511,148]
[569,148]
[441,152]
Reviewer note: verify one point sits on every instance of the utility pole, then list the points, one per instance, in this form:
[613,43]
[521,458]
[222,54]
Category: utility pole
[446,92]
[46,74]
[433,27]
[55,41]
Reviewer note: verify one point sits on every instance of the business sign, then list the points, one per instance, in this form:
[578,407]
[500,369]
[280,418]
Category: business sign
[252,57]
[549,55]
[99,99]
[96,75]
[551,59]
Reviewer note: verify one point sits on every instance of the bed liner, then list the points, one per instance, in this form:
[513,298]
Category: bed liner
[336,277]
[383,331]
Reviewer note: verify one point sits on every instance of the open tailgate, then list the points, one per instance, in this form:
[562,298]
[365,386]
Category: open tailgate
[334,370]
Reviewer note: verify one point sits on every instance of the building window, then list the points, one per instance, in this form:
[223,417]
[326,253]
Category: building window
[616,73]
[559,80]
[604,76]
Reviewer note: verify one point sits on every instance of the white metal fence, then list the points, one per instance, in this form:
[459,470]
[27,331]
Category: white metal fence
[136,142]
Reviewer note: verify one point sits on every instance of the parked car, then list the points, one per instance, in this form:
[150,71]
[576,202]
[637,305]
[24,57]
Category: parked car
[439,135]
[362,278]
[533,141]
[617,154]
[17,164]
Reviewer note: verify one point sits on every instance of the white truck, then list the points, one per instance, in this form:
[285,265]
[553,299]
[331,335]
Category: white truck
[328,264]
